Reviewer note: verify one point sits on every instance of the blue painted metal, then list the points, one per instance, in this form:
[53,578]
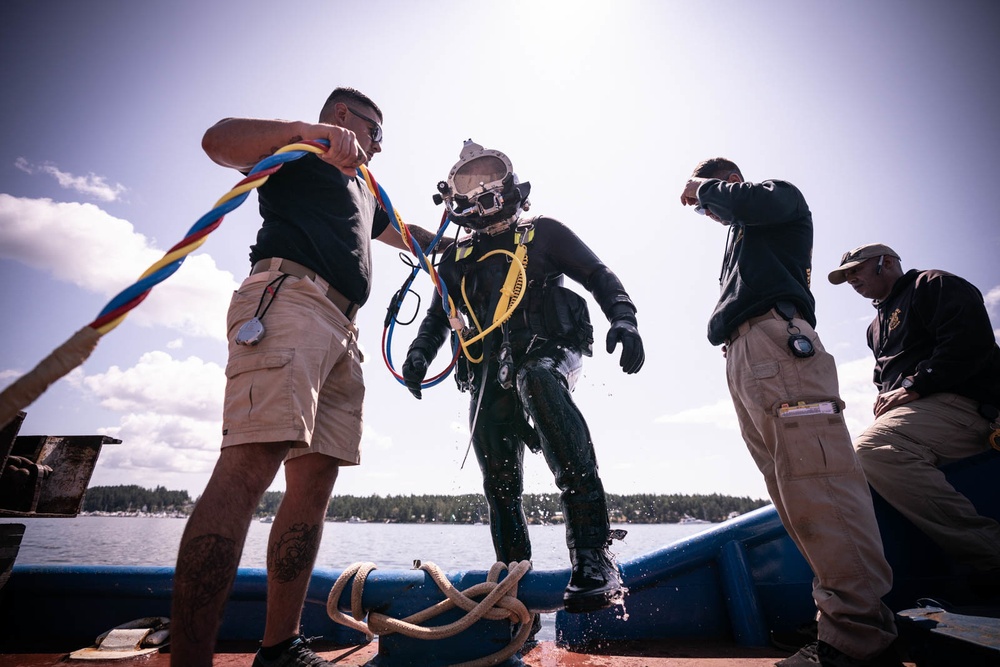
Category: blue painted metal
[735,582]
[745,614]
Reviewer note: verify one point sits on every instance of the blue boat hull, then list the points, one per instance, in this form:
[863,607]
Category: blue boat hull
[735,582]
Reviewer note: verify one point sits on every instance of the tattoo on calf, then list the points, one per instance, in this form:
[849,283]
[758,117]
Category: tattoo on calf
[293,552]
[206,567]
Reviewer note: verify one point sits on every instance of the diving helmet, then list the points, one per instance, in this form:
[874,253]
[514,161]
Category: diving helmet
[482,189]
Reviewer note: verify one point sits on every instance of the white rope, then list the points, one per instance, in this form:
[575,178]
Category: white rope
[500,602]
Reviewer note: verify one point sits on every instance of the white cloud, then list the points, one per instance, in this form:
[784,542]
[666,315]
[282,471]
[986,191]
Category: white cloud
[84,245]
[992,297]
[372,439]
[171,413]
[93,185]
[858,392]
[159,383]
[856,389]
[719,414]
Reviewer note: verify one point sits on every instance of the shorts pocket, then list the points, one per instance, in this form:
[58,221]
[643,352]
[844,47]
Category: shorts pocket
[258,389]
[812,439]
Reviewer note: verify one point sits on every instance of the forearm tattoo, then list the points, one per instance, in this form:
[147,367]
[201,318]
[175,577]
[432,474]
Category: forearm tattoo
[291,140]
[293,552]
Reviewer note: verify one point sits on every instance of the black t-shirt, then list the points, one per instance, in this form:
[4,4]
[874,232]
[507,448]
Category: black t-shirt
[316,216]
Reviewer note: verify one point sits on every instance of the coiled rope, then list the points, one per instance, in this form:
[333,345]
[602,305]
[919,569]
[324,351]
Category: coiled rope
[500,602]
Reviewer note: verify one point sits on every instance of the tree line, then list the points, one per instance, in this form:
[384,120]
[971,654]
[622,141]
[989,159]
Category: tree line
[540,508]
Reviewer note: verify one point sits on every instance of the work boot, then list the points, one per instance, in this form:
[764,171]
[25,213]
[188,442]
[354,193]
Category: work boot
[595,582]
[822,654]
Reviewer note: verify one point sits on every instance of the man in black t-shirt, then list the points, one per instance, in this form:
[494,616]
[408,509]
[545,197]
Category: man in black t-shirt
[294,386]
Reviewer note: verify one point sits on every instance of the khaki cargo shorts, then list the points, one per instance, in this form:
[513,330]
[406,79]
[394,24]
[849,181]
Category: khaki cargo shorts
[303,381]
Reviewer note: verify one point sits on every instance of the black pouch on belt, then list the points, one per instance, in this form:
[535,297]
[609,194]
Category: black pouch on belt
[565,315]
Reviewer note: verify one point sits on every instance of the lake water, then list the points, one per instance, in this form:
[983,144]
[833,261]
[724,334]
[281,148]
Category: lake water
[99,540]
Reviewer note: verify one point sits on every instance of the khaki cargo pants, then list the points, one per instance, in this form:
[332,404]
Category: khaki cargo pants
[814,479]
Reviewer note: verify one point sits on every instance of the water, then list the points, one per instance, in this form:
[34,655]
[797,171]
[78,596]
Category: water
[95,540]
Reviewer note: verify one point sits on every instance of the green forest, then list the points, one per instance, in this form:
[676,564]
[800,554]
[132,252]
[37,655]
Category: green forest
[540,508]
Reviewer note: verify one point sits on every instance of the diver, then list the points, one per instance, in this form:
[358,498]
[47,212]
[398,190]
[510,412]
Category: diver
[526,335]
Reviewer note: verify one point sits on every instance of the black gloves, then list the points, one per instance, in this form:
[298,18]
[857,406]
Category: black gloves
[414,370]
[624,331]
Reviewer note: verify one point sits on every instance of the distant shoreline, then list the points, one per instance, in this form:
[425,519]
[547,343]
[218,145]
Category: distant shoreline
[262,519]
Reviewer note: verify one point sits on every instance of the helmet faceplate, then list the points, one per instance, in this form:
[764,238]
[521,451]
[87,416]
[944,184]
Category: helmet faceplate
[482,189]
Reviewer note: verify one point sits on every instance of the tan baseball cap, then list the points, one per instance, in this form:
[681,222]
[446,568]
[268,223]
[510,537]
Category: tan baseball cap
[858,255]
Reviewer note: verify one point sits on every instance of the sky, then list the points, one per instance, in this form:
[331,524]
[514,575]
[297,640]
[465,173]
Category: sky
[883,113]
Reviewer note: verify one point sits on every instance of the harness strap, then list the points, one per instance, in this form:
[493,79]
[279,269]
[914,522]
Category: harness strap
[512,286]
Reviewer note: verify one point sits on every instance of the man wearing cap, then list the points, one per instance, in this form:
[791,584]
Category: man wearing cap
[937,369]
[786,394]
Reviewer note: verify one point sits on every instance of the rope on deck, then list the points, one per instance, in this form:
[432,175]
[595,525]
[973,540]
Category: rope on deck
[500,602]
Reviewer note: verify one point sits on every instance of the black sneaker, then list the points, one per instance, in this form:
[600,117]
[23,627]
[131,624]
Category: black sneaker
[298,654]
[793,640]
[821,653]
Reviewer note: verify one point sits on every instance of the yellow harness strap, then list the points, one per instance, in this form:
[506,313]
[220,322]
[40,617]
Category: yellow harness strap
[514,283]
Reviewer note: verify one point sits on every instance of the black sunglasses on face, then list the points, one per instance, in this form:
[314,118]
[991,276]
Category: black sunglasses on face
[375,131]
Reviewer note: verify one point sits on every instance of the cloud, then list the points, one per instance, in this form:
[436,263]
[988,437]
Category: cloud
[992,299]
[856,390]
[83,245]
[159,383]
[171,413]
[719,414]
[93,185]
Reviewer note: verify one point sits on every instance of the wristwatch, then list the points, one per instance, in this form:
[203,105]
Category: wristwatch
[907,383]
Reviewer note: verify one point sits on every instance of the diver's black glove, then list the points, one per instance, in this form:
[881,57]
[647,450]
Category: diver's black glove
[414,370]
[626,332]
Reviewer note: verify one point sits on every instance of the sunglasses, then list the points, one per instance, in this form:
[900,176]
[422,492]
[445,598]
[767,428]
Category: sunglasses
[375,131]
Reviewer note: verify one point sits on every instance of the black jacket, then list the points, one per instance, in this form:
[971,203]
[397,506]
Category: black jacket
[934,327]
[769,254]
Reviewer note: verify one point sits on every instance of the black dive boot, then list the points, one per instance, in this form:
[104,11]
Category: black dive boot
[595,582]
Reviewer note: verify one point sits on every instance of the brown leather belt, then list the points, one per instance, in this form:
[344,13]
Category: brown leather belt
[343,304]
[743,328]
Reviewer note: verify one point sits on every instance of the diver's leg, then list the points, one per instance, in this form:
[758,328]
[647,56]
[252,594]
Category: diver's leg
[500,454]
[543,383]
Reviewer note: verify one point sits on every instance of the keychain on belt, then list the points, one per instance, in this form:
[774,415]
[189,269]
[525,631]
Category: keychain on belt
[252,331]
